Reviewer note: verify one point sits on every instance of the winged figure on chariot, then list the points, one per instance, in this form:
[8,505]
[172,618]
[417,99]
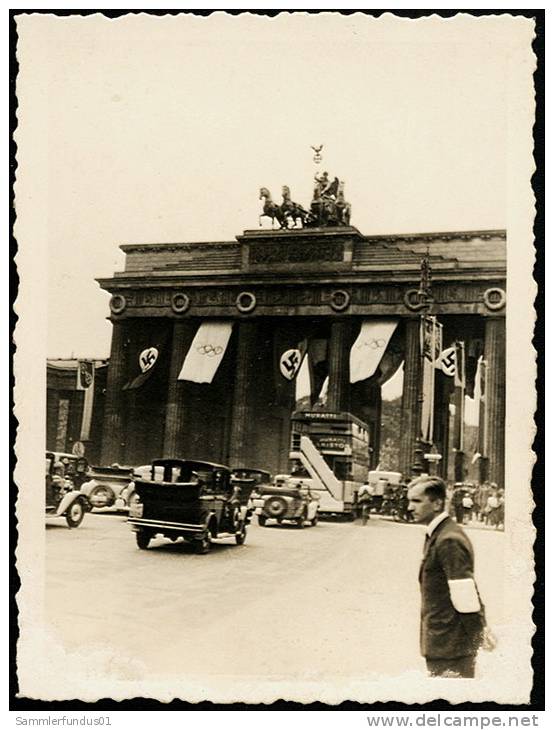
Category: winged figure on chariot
[328,206]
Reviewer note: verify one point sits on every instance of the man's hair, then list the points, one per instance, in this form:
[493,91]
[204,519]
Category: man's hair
[434,487]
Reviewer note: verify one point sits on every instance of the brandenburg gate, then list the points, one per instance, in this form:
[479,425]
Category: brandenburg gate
[315,279]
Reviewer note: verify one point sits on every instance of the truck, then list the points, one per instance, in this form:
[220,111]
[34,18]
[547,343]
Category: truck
[330,451]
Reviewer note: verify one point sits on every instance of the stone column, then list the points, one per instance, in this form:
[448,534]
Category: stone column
[175,410]
[443,389]
[378,406]
[241,411]
[338,393]
[52,408]
[410,408]
[112,434]
[495,355]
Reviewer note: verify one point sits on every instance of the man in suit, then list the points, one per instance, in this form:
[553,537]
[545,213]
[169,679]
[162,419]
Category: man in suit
[452,614]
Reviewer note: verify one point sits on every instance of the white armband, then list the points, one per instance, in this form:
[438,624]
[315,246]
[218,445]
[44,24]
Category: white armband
[463,594]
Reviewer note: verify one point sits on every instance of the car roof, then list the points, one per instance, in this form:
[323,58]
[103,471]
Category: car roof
[62,455]
[251,470]
[189,462]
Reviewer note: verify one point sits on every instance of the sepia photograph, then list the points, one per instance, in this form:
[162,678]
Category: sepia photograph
[274,344]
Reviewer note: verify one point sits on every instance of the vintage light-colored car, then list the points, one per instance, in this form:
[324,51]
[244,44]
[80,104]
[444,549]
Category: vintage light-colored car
[128,494]
[107,485]
[287,500]
[63,499]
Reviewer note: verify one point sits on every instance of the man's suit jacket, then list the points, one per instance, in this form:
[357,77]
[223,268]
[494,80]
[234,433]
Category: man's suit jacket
[446,633]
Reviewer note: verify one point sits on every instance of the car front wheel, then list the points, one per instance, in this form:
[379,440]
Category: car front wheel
[143,539]
[202,546]
[240,537]
[75,513]
[262,519]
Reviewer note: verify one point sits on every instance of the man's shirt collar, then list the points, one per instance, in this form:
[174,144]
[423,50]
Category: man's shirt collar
[435,522]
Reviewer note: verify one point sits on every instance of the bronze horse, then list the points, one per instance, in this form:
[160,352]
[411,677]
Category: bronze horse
[293,212]
[271,209]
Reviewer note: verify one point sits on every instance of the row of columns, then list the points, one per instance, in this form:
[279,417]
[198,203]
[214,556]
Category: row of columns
[493,426]
[113,441]
[338,395]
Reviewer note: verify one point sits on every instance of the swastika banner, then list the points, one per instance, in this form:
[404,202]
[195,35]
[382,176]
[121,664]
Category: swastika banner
[206,351]
[447,361]
[369,348]
[85,374]
[290,362]
[292,359]
[85,381]
[145,358]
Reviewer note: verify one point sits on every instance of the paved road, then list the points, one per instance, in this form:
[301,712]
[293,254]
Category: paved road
[338,599]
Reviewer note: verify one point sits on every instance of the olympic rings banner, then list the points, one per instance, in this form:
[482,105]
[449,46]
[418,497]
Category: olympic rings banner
[370,346]
[206,351]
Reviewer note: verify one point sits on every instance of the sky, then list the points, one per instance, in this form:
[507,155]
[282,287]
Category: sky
[163,129]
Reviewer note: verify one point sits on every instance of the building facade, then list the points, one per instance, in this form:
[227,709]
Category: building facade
[75,413]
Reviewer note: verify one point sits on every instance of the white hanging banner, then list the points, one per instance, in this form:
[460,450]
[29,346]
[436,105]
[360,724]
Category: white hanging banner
[322,398]
[206,351]
[369,348]
[303,383]
[482,386]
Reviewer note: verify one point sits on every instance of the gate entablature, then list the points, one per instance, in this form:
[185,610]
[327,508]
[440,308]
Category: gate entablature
[181,301]
[311,272]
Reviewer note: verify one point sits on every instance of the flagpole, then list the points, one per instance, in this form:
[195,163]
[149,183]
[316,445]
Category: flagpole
[463,394]
[417,467]
[431,431]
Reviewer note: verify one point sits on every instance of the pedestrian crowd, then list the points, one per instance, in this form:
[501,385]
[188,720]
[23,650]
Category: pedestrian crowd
[480,504]
[383,498]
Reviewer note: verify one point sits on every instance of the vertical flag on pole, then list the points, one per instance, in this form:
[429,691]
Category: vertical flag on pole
[85,381]
[85,374]
[431,346]
[483,397]
[460,386]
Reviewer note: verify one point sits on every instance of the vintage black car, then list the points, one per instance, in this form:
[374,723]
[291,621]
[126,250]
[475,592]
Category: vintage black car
[195,500]
[64,473]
